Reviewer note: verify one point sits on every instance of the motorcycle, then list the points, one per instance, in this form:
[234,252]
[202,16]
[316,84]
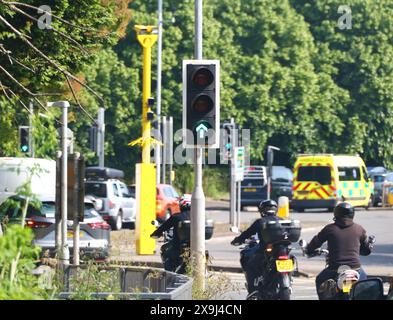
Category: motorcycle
[339,287]
[176,260]
[275,279]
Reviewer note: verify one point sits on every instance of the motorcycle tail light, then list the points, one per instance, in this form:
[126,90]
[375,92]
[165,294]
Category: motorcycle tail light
[269,248]
[283,257]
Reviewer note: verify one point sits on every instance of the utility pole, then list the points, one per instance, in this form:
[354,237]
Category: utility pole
[64,252]
[198,197]
[270,156]
[232,198]
[159,68]
[31,140]
[101,137]
[170,148]
[165,142]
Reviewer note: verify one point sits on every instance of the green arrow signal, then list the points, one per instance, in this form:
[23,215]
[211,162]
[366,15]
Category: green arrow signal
[201,129]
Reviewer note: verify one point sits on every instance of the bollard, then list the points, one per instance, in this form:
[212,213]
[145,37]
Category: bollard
[283,207]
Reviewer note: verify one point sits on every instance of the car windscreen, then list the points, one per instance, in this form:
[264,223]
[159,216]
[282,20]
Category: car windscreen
[349,173]
[282,174]
[90,211]
[96,189]
[48,210]
[319,174]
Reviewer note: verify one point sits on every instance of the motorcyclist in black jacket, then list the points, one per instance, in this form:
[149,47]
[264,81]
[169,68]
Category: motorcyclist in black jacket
[174,246]
[255,258]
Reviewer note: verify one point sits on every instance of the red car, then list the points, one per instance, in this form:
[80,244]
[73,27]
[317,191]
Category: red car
[167,201]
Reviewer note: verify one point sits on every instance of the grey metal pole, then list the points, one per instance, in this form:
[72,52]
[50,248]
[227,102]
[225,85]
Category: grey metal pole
[198,197]
[232,199]
[101,137]
[159,71]
[76,226]
[64,253]
[31,139]
[170,148]
[238,205]
[164,153]
[58,218]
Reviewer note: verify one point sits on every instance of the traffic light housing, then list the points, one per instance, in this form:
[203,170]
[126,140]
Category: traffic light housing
[24,133]
[201,103]
[93,138]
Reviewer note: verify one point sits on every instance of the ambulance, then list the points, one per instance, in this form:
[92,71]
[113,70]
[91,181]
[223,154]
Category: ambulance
[323,180]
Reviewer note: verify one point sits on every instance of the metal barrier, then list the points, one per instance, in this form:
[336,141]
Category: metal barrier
[137,283]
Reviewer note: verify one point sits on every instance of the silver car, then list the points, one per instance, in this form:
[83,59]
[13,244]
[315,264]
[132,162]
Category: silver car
[94,231]
[118,203]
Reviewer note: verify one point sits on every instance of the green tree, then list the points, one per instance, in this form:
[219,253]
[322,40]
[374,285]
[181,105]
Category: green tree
[360,61]
[270,83]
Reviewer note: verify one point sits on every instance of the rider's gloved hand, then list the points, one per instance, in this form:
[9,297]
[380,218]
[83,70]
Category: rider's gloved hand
[154,235]
[236,242]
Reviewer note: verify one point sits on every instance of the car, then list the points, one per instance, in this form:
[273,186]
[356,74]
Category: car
[254,184]
[119,206]
[167,202]
[379,179]
[16,171]
[281,183]
[94,240]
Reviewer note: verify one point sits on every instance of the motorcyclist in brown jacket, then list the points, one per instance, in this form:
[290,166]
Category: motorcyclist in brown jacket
[346,240]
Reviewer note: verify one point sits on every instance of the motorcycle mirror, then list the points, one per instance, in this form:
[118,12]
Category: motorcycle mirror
[98,204]
[370,289]
[234,229]
[302,243]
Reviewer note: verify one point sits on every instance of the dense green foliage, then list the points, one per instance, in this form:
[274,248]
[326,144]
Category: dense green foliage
[17,260]
[288,73]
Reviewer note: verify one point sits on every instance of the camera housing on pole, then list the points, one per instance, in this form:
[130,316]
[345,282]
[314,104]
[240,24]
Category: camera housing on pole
[201,103]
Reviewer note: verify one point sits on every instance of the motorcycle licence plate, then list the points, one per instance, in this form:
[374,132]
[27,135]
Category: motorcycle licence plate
[284,265]
[347,286]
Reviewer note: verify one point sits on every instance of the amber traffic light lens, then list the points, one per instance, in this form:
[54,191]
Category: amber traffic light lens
[203,77]
[203,104]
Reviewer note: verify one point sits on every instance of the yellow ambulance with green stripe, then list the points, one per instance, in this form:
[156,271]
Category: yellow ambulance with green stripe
[323,180]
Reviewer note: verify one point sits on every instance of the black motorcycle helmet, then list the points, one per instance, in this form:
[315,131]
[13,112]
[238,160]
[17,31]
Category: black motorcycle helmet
[344,210]
[268,208]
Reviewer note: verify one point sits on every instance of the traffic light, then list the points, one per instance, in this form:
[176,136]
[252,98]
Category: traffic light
[201,103]
[24,133]
[228,139]
[93,138]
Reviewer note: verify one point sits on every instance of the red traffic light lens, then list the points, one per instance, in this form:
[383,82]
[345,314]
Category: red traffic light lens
[203,77]
[203,104]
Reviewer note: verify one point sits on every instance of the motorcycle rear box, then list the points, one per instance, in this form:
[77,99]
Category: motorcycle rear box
[184,231]
[281,230]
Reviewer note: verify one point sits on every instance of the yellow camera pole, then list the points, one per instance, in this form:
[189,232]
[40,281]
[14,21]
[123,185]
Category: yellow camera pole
[145,171]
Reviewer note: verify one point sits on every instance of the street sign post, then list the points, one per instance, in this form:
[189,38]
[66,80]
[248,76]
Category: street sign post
[238,162]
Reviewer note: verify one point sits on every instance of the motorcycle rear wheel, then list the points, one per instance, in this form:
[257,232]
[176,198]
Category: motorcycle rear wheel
[285,294]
